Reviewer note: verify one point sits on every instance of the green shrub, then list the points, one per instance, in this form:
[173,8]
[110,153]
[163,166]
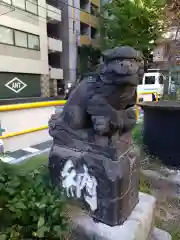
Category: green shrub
[171,227]
[137,135]
[30,207]
[144,185]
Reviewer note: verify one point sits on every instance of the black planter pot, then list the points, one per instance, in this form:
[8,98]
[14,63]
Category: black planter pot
[161,133]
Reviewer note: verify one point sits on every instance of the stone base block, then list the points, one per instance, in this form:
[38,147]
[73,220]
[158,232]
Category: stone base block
[137,227]
[158,234]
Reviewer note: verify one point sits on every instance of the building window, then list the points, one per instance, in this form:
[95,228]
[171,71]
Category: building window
[19,3]
[150,80]
[6,35]
[20,39]
[94,10]
[7,1]
[32,6]
[33,42]
[27,5]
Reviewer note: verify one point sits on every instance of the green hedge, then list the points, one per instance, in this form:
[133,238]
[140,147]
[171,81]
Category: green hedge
[137,134]
[30,207]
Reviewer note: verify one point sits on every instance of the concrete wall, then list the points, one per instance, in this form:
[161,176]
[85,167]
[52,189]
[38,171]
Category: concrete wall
[17,52]
[54,13]
[158,53]
[21,20]
[54,44]
[26,140]
[21,120]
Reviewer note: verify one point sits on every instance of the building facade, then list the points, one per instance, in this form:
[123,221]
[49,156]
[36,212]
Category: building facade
[83,29]
[166,53]
[30,49]
[103,2]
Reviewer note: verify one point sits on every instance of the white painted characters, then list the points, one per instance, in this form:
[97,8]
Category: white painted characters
[68,174]
[75,183]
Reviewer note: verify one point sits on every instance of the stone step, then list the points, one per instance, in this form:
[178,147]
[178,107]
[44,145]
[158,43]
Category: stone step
[158,234]
[170,181]
[137,227]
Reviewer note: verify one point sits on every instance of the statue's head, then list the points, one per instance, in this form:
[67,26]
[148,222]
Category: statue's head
[121,52]
[121,66]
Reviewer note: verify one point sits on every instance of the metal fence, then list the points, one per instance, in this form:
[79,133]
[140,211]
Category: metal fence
[172,87]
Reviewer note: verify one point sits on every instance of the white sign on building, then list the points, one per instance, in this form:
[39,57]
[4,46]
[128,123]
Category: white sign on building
[16,85]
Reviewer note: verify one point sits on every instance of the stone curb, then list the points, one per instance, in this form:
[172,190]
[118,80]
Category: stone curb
[170,183]
[158,234]
[26,153]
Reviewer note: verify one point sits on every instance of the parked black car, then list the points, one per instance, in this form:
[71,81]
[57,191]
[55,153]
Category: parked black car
[83,77]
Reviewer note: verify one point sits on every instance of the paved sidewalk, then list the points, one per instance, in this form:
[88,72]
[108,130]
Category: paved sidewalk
[23,154]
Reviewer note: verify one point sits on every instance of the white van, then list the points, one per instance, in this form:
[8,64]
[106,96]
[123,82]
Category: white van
[152,82]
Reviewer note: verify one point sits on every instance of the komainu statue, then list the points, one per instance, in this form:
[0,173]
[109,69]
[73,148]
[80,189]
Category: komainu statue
[92,156]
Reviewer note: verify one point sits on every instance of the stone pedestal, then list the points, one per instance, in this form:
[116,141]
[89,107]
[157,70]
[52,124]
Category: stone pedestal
[158,234]
[108,189]
[138,226]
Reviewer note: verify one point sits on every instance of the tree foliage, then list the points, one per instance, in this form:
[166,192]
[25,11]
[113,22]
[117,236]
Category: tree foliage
[88,59]
[136,23]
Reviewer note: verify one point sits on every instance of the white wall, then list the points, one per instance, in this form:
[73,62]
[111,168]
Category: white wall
[21,20]
[54,44]
[56,73]
[159,53]
[24,141]
[53,12]
[20,120]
